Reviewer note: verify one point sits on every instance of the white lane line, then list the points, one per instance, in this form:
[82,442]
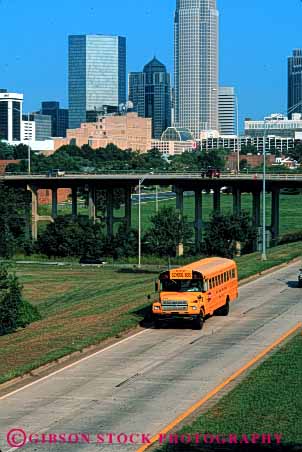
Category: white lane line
[74,364]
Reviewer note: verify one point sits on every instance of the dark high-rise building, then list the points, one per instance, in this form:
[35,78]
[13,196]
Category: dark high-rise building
[59,118]
[10,115]
[97,75]
[150,93]
[295,82]
[196,65]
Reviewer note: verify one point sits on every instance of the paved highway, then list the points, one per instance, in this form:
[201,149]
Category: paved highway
[143,383]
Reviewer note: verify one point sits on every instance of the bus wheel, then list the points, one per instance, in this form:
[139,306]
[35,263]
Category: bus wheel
[225,310]
[198,323]
[157,323]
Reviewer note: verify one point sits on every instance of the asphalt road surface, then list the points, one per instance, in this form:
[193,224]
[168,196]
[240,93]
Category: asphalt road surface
[143,383]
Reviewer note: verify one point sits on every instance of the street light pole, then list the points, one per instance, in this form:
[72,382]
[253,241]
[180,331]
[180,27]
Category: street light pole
[29,157]
[238,138]
[264,256]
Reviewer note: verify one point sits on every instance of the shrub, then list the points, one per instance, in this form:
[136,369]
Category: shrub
[291,237]
[167,231]
[223,231]
[14,311]
[68,237]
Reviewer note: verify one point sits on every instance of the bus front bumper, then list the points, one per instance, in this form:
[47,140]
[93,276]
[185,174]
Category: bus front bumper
[175,316]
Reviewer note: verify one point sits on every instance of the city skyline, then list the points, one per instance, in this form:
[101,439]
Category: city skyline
[249,61]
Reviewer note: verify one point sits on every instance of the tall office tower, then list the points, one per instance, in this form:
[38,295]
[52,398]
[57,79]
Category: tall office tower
[59,118]
[97,75]
[227,110]
[295,82]
[150,92]
[10,115]
[196,65]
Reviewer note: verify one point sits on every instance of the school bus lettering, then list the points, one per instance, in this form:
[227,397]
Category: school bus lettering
[181,274]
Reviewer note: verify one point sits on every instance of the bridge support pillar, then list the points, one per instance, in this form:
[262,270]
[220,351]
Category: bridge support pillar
[256,208]
[128,205]
[180,207]
[92,203]
[54,202]
[275,215]
[74,197]
[34,212]
[179,201]
[110,219]
[236,200]
[216,199]
[198,219]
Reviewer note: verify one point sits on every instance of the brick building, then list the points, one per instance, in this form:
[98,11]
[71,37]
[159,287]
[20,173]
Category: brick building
[126,132]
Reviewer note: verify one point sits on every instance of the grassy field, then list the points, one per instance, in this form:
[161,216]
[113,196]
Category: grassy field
[267,401]
[290,215]
[84,306]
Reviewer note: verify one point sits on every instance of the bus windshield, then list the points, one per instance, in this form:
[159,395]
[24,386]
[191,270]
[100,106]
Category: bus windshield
[182,285]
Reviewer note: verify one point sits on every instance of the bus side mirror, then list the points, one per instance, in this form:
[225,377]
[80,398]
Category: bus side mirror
[157,286]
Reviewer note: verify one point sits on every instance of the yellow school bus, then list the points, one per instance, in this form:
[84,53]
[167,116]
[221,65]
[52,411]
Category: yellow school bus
[195,291]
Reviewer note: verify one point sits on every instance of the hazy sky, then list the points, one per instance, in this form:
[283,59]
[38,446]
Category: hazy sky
[255,39]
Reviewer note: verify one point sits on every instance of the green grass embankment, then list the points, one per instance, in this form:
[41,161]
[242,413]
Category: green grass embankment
[268,400]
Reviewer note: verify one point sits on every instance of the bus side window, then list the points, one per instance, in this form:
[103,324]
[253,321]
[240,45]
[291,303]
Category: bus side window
[233,273]
[216,281]
[230,273]
[225,277]
[210,283]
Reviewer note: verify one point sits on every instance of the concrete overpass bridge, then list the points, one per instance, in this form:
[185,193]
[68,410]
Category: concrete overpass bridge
[182,182]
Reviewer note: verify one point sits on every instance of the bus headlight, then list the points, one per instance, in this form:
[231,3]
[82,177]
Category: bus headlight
[156,308]
[194,308]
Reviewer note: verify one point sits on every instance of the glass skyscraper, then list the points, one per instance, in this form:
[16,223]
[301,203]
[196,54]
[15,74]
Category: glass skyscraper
[196,65]
[150,92]
[295,83]
[97,75]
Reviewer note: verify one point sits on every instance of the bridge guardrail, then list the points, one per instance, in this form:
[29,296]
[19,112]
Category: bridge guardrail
[153,175]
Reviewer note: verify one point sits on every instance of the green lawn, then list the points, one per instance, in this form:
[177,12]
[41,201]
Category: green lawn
[269,400]
[84,306]
[290,210]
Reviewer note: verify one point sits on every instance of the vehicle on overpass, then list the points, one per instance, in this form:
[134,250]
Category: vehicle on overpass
[300,278]
[56,173]
[211,173]
[196,291]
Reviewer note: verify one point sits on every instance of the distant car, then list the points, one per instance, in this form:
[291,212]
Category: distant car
[56,173]
[300,278]
[211,173]
[97,262]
